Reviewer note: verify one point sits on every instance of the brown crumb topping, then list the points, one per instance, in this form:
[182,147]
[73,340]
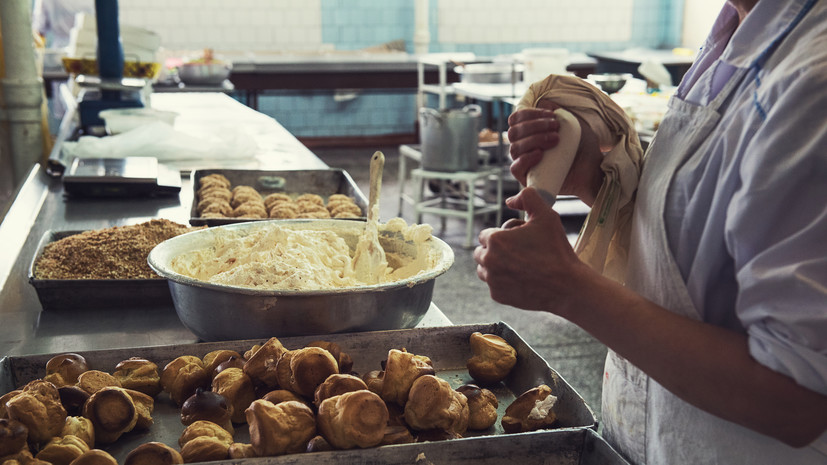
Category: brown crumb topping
[119,252]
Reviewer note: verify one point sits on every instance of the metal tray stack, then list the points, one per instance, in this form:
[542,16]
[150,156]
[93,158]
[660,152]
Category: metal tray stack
[68,294]
[574,442]
[291,182]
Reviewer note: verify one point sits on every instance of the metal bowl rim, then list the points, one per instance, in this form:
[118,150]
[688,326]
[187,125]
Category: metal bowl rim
[163,269]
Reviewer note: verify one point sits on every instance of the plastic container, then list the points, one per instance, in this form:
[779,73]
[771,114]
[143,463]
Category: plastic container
[125,119]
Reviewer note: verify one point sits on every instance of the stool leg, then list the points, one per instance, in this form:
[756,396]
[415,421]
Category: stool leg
[443,195]
[469,217]
[499,199]
[419,185]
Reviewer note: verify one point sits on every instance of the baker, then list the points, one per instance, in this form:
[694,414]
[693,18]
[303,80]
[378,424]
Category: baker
[715,309]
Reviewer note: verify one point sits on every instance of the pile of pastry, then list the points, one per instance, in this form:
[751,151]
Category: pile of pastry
[301,400]
[217,198]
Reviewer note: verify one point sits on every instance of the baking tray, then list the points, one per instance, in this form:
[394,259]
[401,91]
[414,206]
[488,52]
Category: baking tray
[447,347]
[291,182]
[69,294]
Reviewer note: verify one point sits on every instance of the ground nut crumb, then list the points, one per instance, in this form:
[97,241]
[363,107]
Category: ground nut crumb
[119,252]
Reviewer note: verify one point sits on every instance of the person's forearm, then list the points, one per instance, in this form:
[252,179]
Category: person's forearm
[707,366]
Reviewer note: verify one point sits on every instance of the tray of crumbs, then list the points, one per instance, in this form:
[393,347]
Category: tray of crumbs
[225,196]
[99,293]
[571,439]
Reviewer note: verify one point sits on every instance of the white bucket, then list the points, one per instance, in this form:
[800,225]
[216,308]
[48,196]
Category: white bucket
[540,62]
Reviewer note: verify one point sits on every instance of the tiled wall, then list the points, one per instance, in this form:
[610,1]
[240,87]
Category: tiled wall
[484,27]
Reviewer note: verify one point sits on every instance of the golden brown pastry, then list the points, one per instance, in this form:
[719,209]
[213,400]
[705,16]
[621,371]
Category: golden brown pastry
[311,198]
[93,381]
[252,351]
[493,358]
[238,389]
[337,384]
[274,198]
[112,412]
[39,408]
[280,429]
[261,363]
[208,215]
[432,404]
[397,434]
[436,435]
[72,398]
[5,398]
[140,375]
[320,213]
[318,444]
[373,380]
[278,396]
[214,179]
[182,376]
[204,449]
[95,457]
[203,428]
[153,453]
[209,406]
[64,369]
[283,210]
[354,419]
[344,360]
[482,406]
[215,193]
[346,214]
[401,370]
[533,410]
[240,450]
[217,357]
[13,435]
[214,205]
[80,427]
[144,406]
[250,209]
[339,198]
[62,450]
[243,194]
[308,368]
[350,208]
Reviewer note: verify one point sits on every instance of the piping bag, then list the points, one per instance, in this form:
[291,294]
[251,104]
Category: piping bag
[604,240]
[548,176]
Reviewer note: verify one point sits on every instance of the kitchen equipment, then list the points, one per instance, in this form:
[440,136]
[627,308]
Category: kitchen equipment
[212,73]
[215,312]
[449,138]
[610,82]
[548,175]
[292,182]
[540,62]
[369,253]
[75,294]
[118,120]
[120,177]
[574,442]
[490,73]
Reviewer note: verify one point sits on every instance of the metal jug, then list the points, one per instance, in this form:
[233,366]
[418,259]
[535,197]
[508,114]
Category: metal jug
[449,138]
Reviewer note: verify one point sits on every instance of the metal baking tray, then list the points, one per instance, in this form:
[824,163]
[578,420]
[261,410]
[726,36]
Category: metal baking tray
[291,182]
[448,348]
[69,294]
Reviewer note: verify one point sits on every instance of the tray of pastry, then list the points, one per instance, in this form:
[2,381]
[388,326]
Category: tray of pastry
[224,196]
[417,382]
[103,268]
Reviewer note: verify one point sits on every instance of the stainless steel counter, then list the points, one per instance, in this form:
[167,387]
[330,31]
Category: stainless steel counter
[41,206]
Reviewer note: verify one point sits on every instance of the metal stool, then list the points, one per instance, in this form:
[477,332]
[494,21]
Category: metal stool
[463,202]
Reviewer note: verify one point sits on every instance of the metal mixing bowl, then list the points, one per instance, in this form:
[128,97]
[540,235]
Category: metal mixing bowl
[204,73]
[610,82]
[216,312]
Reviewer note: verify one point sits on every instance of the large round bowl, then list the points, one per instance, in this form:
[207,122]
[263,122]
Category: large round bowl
[215,312]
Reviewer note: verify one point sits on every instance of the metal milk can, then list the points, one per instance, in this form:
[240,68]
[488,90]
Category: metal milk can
[449,138]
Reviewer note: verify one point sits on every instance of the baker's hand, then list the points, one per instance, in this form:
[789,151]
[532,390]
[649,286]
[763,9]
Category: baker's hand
[531,131]
[535,130]
[528,264]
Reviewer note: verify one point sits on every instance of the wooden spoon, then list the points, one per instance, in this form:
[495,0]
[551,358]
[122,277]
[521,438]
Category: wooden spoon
[369,261]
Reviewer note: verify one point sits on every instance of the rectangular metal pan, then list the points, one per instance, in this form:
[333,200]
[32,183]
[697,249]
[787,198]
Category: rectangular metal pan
[68,294]
[448,348]
[291,182]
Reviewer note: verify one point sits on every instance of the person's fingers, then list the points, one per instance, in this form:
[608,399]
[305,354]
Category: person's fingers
[526,114]
[530,201]
[513,223]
